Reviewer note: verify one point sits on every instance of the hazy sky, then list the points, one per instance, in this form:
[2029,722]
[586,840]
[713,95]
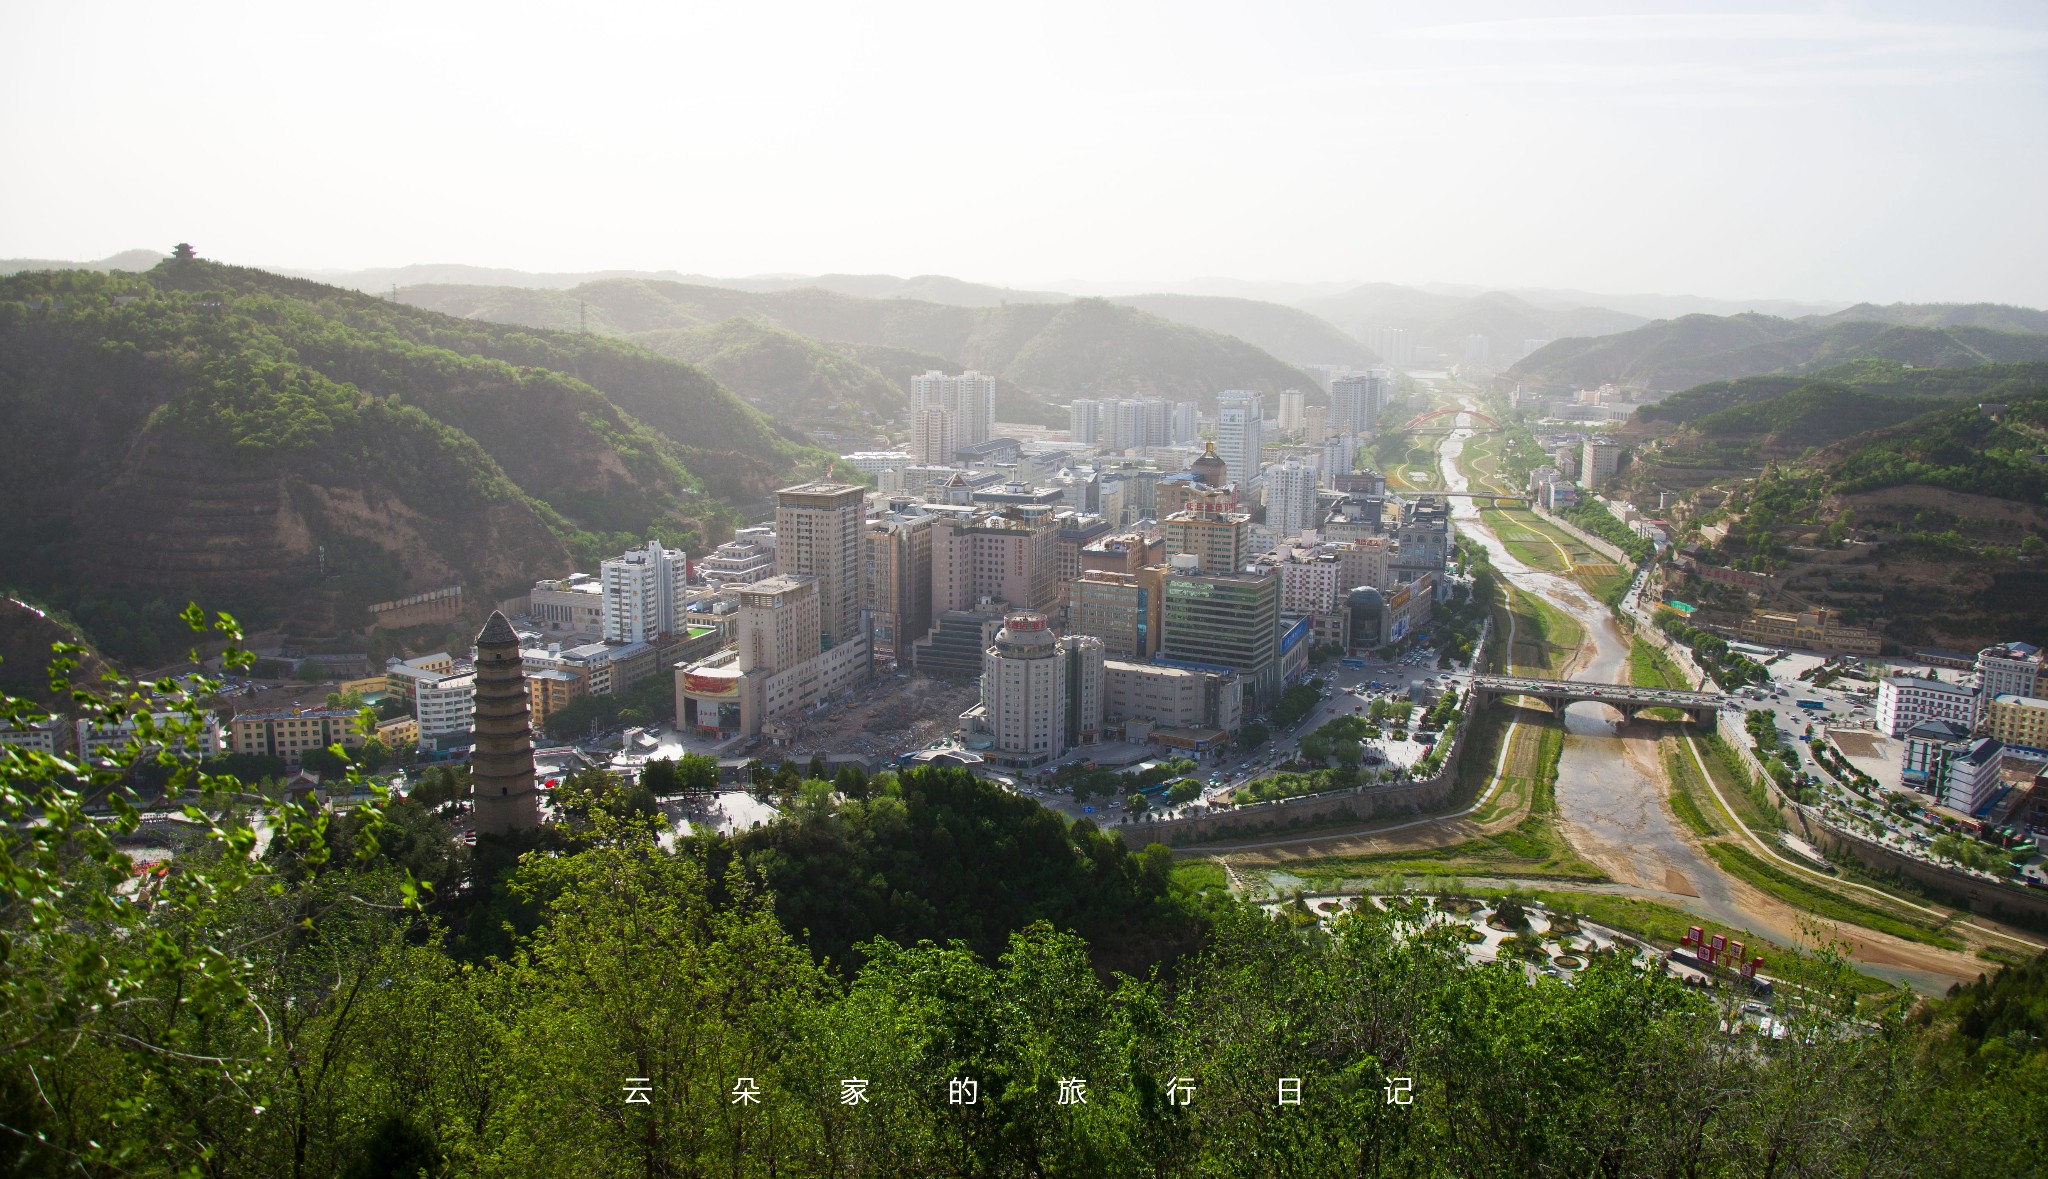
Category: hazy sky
[1846,150]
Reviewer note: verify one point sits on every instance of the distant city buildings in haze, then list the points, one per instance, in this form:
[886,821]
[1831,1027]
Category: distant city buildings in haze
[1240,425]
[969,398]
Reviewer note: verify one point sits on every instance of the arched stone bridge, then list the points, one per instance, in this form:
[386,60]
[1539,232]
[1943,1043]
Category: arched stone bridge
[1701,707]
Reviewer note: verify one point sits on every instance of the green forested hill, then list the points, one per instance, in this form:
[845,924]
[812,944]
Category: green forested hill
[293,452]
[1078,348]
[1758,404]
[777,369]
[1700,349]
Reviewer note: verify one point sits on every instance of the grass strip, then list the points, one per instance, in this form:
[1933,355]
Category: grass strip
[1740,861]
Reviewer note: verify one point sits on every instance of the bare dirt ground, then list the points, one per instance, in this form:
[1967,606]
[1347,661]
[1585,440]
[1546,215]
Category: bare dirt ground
[892,716]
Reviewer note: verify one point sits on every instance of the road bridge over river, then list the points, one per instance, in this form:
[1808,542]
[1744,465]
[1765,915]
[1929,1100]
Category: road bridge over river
[1628,699]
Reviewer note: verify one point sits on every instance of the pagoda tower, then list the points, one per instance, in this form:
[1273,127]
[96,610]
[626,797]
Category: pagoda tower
[501,768]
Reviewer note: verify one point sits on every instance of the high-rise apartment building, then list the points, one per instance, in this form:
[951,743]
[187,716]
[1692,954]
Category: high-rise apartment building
[1240,422]
[1121,609]
[1599,461]
[1356,401]
[896,577]
[1186,423]
[1127,423]
[643,591]
[501,765]
[1394,345]
[1229,620]
[1293,403]
[970,397]
[932,438]
[1340,457]
[1315,423]
[1084,665]
[1290,497]
[1209,530]
[1007,555]
[817,533]
[1083,418]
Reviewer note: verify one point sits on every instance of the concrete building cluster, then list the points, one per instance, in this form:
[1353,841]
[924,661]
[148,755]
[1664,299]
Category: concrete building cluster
[1958,732]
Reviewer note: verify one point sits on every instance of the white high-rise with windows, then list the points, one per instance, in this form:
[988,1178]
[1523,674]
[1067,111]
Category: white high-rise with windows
[1240,426]
[1186,422]
[1081,421]
[1340,453]
[932,437]
[1292,404]
[643,589]
[1290,497]
[970,397]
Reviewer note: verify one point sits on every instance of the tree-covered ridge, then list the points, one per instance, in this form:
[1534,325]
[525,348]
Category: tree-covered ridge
[941,856]
[1698,349]
[301,452]
[1882,386]
[715,429]
[1958,449]
[778,370]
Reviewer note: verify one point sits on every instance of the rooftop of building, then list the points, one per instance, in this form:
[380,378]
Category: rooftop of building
[1943,731]
[1904,680]
[1982,750]
[2017,652]
[824,491]
[269,714]
[781,583]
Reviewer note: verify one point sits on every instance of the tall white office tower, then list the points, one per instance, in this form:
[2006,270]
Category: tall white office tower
[1240,422]
[1290,497]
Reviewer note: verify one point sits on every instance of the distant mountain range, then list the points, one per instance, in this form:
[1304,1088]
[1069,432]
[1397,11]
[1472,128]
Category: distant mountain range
[1083,347]
[1443,321]
[293,452]
[1699,349]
